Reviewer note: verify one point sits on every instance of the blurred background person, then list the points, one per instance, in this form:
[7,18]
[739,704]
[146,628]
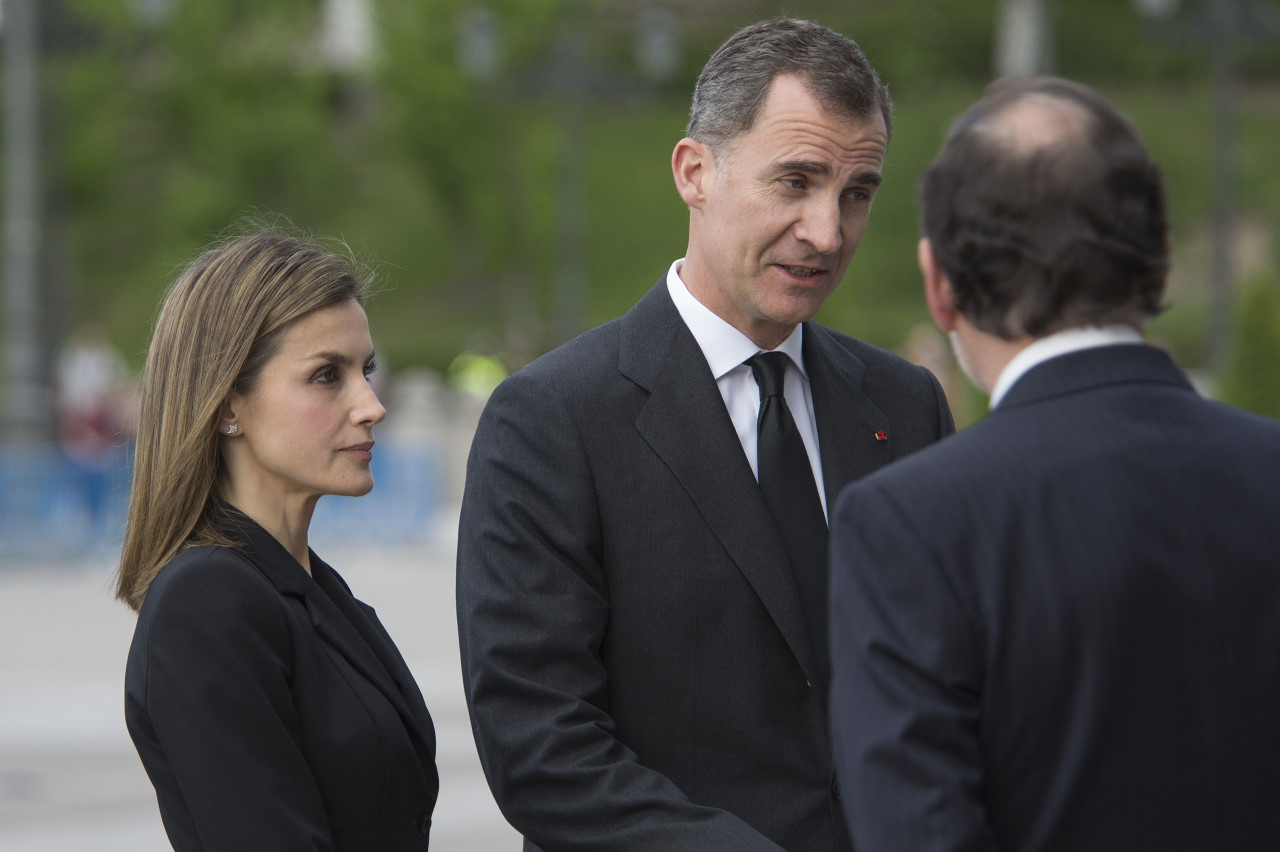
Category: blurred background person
[269,706]
[1057,629]
[94,404]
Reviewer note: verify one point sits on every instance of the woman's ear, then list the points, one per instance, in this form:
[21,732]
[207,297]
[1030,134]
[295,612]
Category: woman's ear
[228,424]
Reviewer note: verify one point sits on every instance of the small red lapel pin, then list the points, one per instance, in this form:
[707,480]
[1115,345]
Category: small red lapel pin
[882,436]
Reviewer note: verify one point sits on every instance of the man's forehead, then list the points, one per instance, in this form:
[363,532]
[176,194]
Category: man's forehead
[825,147]
[795,128]
[790,97]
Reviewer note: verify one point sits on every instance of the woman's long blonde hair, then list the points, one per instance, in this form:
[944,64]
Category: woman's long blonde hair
[220,322]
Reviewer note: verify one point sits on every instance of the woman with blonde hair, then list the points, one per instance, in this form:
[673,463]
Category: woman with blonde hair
[269,706]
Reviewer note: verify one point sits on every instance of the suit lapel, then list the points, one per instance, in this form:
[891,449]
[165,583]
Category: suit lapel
[336,616]
[335,627]
[847,420]
[687,426]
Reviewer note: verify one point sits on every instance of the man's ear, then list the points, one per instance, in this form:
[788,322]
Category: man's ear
[938,294]
[692,166]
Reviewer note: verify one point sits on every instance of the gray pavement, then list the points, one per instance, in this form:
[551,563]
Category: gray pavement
[70,780]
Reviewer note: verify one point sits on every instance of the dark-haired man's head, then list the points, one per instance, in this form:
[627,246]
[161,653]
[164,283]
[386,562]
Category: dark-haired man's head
[1044,211]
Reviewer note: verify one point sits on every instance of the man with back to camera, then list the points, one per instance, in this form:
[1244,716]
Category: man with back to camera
[1058,629]
[643,638]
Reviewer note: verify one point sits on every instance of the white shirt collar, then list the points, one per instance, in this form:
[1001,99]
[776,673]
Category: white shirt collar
[722,345]
[1059,343]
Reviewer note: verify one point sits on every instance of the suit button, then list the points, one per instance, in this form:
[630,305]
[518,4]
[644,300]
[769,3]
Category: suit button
[835,788]
[424,824]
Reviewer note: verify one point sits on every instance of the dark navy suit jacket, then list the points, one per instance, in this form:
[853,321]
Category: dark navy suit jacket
[1060,628]
[272,711]
[634,652]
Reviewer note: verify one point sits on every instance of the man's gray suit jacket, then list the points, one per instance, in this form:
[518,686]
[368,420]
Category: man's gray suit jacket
[634,652]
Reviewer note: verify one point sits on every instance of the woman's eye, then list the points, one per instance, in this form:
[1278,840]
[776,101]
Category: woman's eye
[327,376]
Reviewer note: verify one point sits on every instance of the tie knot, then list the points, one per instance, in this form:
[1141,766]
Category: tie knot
[769,368]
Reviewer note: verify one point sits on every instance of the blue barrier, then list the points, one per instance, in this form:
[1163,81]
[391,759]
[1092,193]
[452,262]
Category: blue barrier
[53,506]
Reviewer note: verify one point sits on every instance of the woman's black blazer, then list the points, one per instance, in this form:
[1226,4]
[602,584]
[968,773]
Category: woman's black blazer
[272,711]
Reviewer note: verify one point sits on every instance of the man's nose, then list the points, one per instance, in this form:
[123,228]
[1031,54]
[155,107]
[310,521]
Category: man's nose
[820,226]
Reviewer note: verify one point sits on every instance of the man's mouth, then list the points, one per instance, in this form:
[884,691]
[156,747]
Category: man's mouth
[802,271]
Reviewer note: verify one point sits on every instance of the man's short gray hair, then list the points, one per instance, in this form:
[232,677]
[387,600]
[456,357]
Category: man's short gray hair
[732,86]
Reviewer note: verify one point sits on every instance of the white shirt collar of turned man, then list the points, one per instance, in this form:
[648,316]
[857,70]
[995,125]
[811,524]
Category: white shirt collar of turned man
[1060,343]
[724,346]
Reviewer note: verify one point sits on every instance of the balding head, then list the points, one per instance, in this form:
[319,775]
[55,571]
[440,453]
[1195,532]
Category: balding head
[1033,123]
[1045,211]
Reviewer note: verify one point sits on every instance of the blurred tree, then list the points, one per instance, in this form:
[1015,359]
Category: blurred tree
[469,115]
[443,155]
[1252,376]
[213,110]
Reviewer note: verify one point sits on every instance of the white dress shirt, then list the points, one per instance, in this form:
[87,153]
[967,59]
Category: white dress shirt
[725,349]
[1060,343]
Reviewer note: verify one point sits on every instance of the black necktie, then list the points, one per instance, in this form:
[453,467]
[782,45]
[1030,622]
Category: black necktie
[786,479]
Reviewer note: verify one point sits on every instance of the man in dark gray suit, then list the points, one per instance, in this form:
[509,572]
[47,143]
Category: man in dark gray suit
[1060,628]
[643,640]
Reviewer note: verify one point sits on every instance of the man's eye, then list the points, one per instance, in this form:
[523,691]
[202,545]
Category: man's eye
[793,183]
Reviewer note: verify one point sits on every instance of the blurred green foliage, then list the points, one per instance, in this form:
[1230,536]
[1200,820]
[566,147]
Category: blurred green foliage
[166,134]
[1252,376]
